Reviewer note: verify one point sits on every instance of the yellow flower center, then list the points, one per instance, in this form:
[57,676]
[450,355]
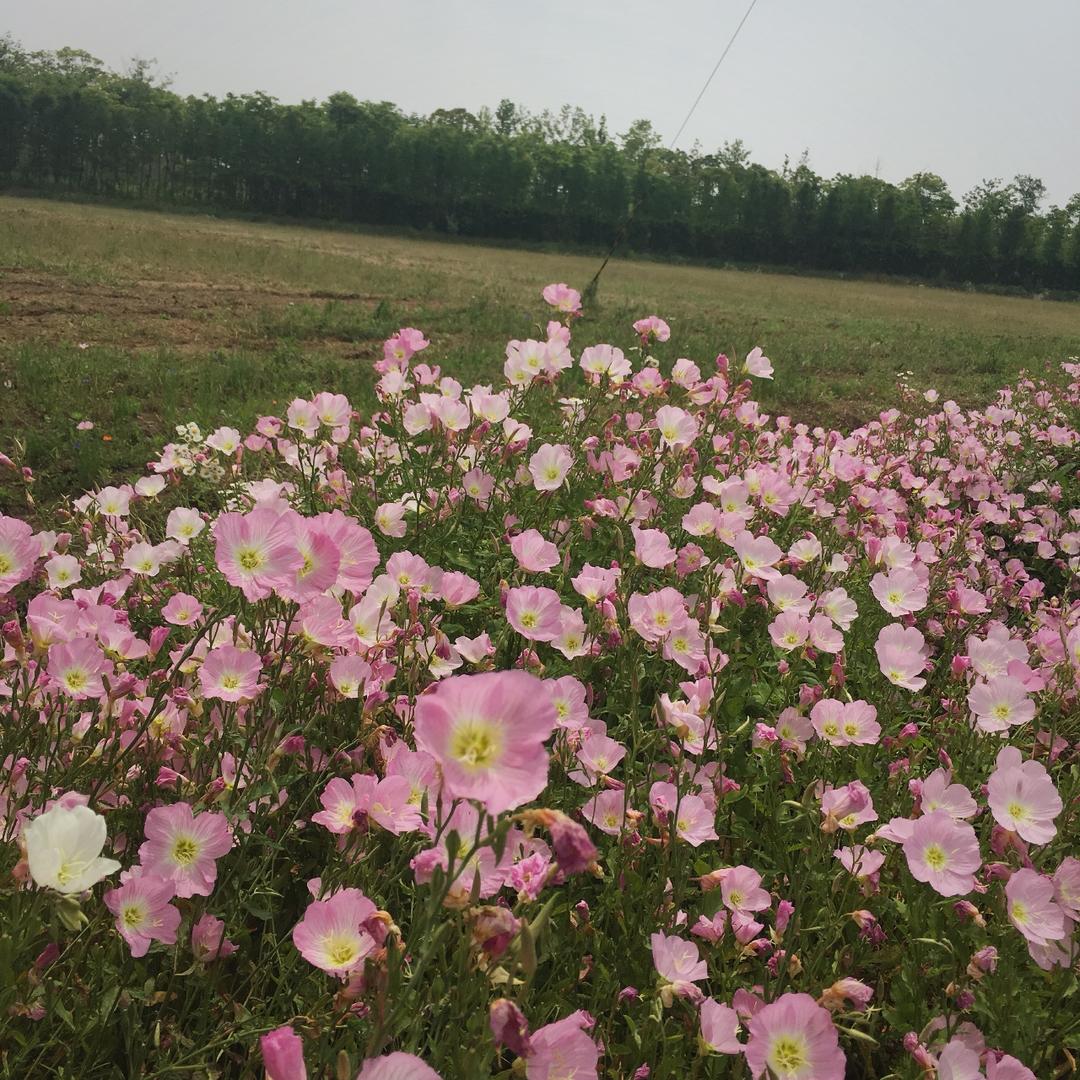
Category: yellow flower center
[475,744]
[341,951]
[788,1054]
[69,870]
[6,563]
[76,679]
[935,857]
[184,851]
[1017,811]
[133,915]
[250,558]
[1018,910]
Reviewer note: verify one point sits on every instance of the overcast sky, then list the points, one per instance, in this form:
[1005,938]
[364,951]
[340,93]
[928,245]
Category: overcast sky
[965,88]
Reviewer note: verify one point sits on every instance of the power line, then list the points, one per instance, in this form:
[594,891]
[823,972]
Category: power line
[590,289]
[712,74]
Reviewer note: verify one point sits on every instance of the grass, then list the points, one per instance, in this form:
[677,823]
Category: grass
[139,320]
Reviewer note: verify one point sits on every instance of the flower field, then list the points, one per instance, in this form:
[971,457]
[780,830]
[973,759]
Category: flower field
[591,724]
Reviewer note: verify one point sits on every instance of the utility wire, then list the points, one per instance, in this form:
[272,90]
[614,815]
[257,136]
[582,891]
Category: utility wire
[590,289]
[712,74]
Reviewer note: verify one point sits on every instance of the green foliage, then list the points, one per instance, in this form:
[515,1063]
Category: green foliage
[69,124]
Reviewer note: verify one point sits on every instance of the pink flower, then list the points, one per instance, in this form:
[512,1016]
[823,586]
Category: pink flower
[456,588]
[757,363]
[839,607]
[533,552]
[794,1038]
[847,991]
[595,582]
[397,1066]
[607,811]
[599,754]
[568,697]
[231,674]
[1032,908]
[143,912]
[182,610]
[900,591]
[677,428]
[283,1054]
[357,554]
[846,807]
[78,667]
[561,297]
[387,802]
[789,630]
[720,1028]
[693,820]
[257,552]
[571,639]
[1007,1068]
[509,1026]
[652,547]
[939,794]
[63,571]
[390,519]
[740,888]
[758,555]
[1067,886]
[535,613]
[958,1061]
[850,723]
[677,960]
[400,348]
[349,675]
[549,466]
[562,1050]
[475,863]
[655,615]
[1000,703]
[788,593]
[183,847]
[902,653]
[184,524]
[208,940]
[599,360]
[652,327]
[320,562]
[487,733]
[943,852]
[1023,798]
[332,935]
[860,862]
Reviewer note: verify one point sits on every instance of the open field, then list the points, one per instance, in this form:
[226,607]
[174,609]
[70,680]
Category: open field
[139,320]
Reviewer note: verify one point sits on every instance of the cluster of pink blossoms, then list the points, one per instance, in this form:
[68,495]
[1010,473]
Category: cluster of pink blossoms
[597,700]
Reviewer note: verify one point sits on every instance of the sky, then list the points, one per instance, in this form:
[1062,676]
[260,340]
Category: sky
[968,89]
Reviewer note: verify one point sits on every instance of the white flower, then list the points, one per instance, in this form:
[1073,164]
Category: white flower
[63,849]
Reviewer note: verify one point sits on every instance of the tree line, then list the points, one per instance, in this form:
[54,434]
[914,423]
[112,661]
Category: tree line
[69,124]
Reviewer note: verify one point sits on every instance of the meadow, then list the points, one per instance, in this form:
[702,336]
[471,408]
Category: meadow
[137,321]
[385,700]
